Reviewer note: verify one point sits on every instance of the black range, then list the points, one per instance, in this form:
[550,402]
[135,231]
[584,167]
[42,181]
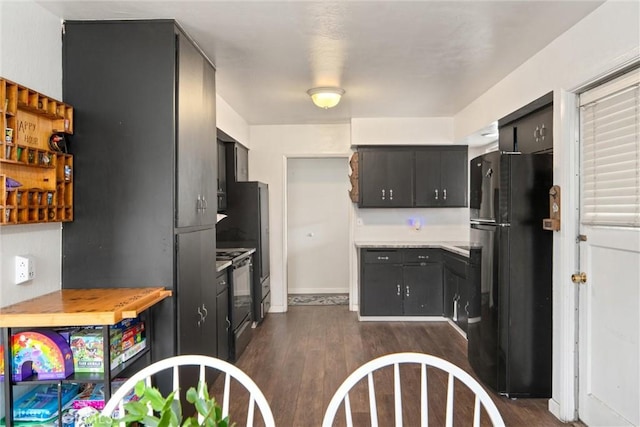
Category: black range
[241,301]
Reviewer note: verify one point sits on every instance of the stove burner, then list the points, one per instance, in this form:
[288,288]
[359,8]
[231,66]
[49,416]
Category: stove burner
[235,254]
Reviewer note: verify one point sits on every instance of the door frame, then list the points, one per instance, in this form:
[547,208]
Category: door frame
[285,218]
[566,173]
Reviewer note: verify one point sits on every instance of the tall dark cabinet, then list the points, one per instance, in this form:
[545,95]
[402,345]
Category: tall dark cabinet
[145,172]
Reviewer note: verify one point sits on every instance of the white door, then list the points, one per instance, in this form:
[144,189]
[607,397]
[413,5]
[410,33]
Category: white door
[317,225]
[609,319]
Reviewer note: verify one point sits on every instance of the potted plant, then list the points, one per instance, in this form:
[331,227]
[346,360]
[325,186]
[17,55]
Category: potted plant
[167,410]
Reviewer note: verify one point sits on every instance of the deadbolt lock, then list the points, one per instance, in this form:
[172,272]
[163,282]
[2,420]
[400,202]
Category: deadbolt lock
[579,278]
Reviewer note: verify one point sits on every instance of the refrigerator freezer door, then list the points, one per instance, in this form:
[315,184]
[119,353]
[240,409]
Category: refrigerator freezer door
[484,187]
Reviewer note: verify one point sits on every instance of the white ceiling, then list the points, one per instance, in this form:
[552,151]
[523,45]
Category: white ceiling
[393,58]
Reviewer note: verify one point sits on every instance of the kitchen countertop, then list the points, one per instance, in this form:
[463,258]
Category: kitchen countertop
[460,248]
[221,265]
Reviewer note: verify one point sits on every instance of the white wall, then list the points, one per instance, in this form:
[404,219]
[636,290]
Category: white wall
[605,40]
[231,122]
[402,131]
[30,54]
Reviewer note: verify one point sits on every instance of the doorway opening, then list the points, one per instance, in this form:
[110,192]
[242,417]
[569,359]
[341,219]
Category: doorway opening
[317,231]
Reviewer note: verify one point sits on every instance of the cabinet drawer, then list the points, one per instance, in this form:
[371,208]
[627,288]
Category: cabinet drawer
[456,265]
[420,255]
[382,256]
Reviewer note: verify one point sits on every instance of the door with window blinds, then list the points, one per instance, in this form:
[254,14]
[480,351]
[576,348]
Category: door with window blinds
[609,306]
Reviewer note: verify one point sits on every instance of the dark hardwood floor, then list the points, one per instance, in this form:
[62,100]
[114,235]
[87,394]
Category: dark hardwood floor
[300,358]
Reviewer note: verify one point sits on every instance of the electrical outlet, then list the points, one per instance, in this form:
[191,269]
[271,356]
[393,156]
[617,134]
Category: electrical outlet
[25,269]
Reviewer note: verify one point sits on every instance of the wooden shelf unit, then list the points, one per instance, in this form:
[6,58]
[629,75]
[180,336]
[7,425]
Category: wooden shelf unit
[46,177]
[76,307]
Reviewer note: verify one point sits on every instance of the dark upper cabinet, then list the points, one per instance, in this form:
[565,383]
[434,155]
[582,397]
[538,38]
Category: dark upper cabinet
[222,176]
[441,177]
[406,177]
[528,129]
[196,142]
[386,178]
[534,133]
[237,163]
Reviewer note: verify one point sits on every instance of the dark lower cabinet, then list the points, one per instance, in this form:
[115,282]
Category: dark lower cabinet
[382,290]
[222,315]
[402,282]
[457,295]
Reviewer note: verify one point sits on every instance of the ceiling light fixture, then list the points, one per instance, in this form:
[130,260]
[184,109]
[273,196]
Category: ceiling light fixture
[326,97]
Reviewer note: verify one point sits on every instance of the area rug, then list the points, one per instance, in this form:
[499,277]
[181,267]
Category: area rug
[318,299]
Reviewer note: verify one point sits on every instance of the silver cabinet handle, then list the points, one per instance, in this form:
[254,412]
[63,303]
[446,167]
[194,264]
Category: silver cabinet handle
[206,312]
[198,204]
[201,318]
[383,258]
[204,204]
[423,257]
[536,132]
[383,194]
[398,285]
[436,194]
[407,289]
[543,132]
[391,194]
[228,323]
[444,194]
[466,308]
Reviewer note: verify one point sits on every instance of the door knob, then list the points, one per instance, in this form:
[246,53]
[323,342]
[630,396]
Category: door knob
[579,278]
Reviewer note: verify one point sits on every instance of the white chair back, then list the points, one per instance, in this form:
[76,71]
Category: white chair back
[482,398]
[256,397]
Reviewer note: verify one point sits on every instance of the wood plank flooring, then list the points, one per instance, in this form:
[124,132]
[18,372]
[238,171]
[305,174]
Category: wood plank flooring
[299,359]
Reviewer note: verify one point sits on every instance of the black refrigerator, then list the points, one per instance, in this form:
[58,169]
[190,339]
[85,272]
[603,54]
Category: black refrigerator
[247,226]
[510,325]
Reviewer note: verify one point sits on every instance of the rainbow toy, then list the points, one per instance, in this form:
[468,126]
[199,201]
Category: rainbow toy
[41,351]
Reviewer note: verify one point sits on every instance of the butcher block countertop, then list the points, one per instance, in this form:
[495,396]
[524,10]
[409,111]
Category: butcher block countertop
[81,307]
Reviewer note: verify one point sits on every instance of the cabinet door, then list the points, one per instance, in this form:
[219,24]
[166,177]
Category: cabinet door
[453,178]
[534,132]
[189,282]
[196,145]
[428,191]
[242,163]
[381,290]
[386,178]
[222,176]
[422,290]
[506,139]
[208,164]
[450,293]
[223,324]
[463,302]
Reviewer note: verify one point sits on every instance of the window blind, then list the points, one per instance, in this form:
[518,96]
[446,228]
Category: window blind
[610,153]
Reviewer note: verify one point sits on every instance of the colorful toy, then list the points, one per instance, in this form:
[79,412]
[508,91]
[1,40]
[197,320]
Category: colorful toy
[43,352]
[88,351]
